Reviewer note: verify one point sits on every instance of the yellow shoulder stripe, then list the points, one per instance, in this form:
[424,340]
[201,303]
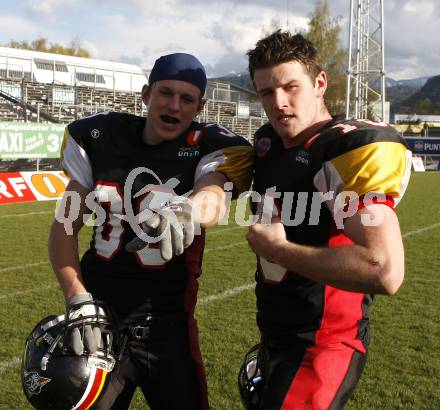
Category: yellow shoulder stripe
[238,166]
[377,167]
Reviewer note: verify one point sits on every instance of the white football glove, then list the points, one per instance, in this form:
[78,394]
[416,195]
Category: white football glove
[85,318]
[173,224]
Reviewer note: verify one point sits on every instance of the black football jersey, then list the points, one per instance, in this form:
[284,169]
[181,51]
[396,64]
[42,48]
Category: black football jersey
[101,152]
[356,157]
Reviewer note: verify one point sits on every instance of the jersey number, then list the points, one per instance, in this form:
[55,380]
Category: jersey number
[107,238]
[272,273]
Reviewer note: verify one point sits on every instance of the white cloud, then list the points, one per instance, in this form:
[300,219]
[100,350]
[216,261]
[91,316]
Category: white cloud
[411,39]
[47,9]
[43,6]
[12,25]
[219,32]
[420,7]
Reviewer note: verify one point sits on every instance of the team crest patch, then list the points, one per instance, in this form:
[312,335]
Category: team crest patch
[263,145]
[303,157]
[194,137]
[33,382]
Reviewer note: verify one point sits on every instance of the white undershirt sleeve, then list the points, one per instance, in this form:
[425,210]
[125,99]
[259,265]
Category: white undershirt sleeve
[76,163]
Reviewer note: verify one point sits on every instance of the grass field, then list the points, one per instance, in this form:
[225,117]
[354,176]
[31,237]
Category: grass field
[403,370]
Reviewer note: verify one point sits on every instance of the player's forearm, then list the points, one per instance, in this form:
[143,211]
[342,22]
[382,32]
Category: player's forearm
[354,268]
[209,200]
[63,255]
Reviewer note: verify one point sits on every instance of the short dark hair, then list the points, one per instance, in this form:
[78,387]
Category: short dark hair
[281,47]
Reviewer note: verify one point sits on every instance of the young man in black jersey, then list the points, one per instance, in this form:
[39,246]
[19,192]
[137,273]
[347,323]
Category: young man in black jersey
[330,241]
[170,172]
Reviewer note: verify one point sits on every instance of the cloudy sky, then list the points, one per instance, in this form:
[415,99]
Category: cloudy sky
[218,31]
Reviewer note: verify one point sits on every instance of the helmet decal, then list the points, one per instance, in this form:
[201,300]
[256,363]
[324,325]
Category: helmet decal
[93,390]
[33,382]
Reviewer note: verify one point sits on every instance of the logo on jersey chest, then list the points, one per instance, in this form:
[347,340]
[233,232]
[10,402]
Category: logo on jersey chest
[95,134]
[188,152]
[263,145]
[193,137]
[303,157]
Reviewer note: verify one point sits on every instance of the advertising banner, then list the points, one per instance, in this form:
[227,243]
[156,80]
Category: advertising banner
[423,146]
[31,186]
[30,140]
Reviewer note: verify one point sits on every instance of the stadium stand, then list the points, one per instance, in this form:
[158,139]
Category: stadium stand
[45,87]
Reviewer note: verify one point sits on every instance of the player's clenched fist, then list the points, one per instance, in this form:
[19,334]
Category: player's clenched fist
[264,239]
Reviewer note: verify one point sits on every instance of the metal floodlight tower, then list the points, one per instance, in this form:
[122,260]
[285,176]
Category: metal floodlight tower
[365,94]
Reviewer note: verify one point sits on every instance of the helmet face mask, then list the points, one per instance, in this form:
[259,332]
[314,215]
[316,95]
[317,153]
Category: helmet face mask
[250,381]
[53,377]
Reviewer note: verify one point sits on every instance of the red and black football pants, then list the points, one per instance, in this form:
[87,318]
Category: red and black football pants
[309,377]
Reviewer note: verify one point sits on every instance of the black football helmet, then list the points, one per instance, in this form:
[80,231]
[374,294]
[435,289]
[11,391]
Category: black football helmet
[250,381]
[53,377]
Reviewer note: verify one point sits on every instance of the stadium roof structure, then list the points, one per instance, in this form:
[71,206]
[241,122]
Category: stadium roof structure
[408,118]
[69,70]
[426,128]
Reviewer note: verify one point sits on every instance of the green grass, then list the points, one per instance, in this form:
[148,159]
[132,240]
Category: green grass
[403,368]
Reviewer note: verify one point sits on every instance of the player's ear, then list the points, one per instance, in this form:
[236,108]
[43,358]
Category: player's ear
[320,84]
[201,105]
[145,93]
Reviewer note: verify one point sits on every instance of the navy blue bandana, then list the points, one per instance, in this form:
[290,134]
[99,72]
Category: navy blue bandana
[179,66]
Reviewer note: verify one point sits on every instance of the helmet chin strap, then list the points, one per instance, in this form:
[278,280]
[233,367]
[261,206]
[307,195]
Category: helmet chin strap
[48,337]
[53,322]
[53,345]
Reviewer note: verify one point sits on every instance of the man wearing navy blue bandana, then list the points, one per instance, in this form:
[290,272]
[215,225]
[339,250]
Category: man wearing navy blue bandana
[160,169]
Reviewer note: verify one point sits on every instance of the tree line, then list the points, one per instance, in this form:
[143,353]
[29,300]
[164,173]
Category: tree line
[42,44]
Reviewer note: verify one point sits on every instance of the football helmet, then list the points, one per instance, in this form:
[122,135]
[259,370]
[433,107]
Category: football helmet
[250,381]
[54,377]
